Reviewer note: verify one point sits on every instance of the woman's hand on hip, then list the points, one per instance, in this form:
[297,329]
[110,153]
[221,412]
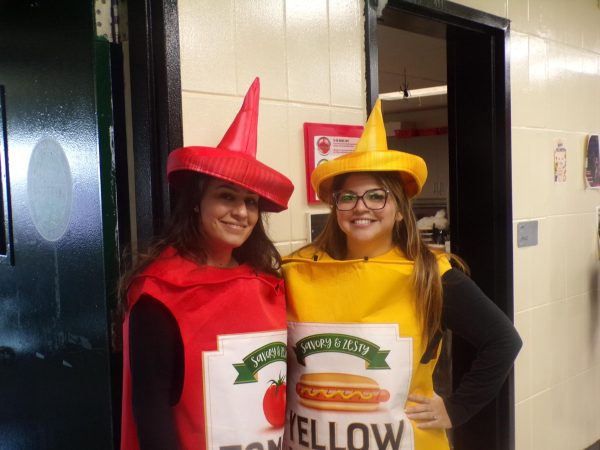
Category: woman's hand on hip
[428,412]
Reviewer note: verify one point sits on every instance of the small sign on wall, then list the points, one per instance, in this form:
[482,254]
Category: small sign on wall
[598,231]
[592,166]
[527,233]
[326,141]
[560,162]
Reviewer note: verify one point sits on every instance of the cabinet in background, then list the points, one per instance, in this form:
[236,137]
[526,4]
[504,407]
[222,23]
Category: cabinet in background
[434,150]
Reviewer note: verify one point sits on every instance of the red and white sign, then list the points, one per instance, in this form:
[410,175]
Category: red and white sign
[326,141]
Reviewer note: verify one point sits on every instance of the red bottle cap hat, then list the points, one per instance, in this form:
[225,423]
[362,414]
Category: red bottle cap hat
[234,159]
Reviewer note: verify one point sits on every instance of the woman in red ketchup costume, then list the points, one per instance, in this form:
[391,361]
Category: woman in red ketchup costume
[205,324]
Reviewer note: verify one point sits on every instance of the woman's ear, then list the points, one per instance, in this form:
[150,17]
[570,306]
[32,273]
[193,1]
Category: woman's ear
[399,216]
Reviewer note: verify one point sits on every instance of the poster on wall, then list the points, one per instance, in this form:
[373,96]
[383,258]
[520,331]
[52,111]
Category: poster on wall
[323,142]
[592,166]
[560,162]
[598,231]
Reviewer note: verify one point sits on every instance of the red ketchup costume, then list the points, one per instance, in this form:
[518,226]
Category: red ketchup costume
[232,321]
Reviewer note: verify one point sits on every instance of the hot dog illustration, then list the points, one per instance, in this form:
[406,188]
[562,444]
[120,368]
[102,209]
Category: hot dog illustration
[340,392]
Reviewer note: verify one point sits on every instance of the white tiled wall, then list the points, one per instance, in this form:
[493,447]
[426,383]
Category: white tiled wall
[310,57]
[555,90]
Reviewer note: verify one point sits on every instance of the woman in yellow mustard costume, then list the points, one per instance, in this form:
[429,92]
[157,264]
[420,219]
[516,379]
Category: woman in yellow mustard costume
[367,303]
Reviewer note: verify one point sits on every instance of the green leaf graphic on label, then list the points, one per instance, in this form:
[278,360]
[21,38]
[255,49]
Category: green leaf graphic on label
[259,358]
[342,343]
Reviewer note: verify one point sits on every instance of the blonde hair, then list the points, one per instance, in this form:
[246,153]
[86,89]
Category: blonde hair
[426,278]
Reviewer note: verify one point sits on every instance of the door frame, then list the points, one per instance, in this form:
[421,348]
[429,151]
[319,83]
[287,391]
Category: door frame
[480,155]
[156,107]
[153,65]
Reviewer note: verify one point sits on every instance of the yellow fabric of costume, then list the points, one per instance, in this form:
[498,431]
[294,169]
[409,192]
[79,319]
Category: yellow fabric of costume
[356,319]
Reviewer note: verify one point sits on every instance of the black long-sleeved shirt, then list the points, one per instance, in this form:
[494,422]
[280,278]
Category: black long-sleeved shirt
[156,358]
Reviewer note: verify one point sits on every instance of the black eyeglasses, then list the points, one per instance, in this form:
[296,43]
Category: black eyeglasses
[373,199]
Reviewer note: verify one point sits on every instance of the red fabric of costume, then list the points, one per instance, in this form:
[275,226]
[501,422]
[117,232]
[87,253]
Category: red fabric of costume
[233,328]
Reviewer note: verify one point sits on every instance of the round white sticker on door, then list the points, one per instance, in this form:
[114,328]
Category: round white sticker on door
[49,189]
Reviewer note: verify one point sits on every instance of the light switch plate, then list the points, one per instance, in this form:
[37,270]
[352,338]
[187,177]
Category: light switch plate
[527,233]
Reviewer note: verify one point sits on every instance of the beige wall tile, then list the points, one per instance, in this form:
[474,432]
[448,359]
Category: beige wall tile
[589,28]
[571,85]
[587,93]
[278,226]
[521,160]
[523,428]
[284,248]
[518,14]
[592,424]
[559,343]
[559,76]
[548,346]
[544,429]
[206,118]
[346,38]
[523,372]
[532,172]
[541,348]
[519,65]
[349,116]
[496,7]
[571,15]
[554,238]
[559,415]
[541,183]
[544,19]
[537,83]
[523,259]
[582,335]
[581,259]
[581,425]
[573,80]
[595,399]
[273,150]
[273,143]
[307,47]
[260,46]
[297,245]
[206,32]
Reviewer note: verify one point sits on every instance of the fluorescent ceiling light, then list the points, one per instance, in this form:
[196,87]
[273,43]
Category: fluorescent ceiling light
[415,93]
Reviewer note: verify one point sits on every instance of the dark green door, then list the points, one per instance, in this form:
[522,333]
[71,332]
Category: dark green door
[57,245]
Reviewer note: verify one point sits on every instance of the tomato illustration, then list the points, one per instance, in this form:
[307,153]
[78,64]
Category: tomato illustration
[274,402]
[324,145]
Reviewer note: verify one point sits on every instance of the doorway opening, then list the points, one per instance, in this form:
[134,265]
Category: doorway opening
[463,133]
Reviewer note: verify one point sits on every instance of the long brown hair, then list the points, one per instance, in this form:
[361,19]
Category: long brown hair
[426,278]
[183,233]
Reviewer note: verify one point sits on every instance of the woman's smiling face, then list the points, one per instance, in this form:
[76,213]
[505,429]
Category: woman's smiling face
[368,231]
[228,214]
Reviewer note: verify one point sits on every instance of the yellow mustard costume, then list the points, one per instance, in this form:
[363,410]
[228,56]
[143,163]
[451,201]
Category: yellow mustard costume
[355,317]
[354,338]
